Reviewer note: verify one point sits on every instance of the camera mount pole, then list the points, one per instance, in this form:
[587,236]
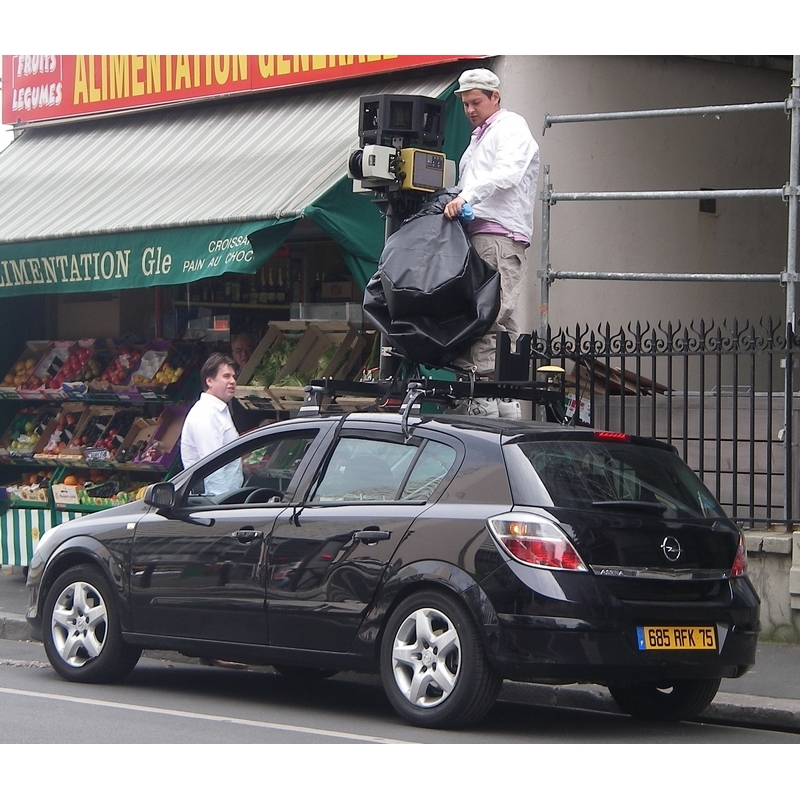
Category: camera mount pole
[388,361]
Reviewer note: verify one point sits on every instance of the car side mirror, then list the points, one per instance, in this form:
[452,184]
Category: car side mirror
[160,496]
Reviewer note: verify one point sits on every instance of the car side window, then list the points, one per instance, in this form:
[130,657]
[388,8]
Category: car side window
[267,466]
[429,471]
[364,470]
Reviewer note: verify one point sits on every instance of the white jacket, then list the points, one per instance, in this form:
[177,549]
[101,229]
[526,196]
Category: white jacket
[498,173]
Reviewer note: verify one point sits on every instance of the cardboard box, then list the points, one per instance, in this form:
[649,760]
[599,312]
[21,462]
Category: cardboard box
[164,445]
[140,433]
[30,490]
[338,291]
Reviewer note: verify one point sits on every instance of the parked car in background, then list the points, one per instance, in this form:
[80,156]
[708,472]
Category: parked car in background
[445,553]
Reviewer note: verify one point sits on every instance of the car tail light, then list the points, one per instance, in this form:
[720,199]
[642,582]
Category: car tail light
[612,436]
[535,540]
[740,560]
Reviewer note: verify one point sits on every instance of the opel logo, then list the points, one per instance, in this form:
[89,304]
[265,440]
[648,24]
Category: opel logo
[671,548]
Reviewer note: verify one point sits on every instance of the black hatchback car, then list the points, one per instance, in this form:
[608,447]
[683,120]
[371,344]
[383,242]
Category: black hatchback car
[445,553]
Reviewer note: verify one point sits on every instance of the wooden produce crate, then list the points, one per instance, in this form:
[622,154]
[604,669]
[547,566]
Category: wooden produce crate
[333,349]
[59,433]
[22,369]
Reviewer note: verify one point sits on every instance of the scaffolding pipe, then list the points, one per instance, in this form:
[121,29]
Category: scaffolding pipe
[693,194]
[793,106]
[666,276]
[700,111]
[792,190]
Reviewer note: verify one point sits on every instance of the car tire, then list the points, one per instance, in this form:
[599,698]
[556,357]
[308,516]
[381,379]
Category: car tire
[303,674]
[433,665]
[81,630]
[664,701]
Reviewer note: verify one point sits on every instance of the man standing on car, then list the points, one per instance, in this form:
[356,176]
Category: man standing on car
[208,425]
[497,177]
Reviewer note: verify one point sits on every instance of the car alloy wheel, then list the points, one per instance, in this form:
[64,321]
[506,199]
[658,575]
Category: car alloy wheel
[433,664]
[666,701]
[82,636]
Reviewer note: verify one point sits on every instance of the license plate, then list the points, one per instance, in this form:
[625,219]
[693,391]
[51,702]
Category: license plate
[677,637]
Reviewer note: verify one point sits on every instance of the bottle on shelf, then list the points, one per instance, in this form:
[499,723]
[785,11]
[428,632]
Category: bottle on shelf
[263,291]
[252,294]
[280,288]
[236,291]
[271,290]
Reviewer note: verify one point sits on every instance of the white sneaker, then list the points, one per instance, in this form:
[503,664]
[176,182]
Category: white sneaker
[508,408]
[483,407]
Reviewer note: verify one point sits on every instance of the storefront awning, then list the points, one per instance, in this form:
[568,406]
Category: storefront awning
[177,195]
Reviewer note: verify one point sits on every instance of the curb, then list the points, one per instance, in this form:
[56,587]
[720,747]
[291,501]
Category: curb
[14,626]
[727,708]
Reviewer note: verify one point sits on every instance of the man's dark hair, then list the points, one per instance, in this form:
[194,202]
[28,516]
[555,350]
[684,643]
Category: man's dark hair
[212,367]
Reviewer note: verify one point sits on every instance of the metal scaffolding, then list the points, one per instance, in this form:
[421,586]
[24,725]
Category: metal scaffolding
[788,193]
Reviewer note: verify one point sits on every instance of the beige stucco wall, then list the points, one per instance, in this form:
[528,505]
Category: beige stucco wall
[734,151]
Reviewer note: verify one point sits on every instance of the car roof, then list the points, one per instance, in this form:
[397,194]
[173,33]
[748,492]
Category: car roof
[505,429]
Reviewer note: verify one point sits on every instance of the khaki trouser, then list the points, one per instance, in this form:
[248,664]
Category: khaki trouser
[508,258]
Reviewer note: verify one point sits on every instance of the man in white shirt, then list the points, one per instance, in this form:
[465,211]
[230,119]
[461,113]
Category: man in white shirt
[208,425]
[497,177]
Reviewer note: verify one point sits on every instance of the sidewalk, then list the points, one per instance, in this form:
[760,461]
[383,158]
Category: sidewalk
[768,696]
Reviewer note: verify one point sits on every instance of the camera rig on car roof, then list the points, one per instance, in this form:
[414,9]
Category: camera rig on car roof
[408,385]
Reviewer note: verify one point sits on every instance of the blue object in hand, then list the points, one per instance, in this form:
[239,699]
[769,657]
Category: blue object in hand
[466,214]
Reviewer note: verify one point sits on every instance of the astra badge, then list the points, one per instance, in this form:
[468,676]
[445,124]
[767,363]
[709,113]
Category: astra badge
[671,548]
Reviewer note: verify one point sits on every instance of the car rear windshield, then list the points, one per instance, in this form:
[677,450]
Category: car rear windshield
[609,475]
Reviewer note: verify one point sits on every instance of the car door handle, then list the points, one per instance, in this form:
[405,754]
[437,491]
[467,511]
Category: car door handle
[247,535]
[371,535]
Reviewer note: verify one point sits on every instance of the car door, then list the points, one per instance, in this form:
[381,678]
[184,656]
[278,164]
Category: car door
[328,554]
[199,572]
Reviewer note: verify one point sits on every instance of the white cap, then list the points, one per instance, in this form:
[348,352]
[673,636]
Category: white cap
[483,79]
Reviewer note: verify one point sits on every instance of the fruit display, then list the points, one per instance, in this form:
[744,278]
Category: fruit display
[31,487]
[107,433]
[63,432]
[25,430]
[98,488]
[122,365]
[151,363]
[20,372]
[168,373]
[69,370]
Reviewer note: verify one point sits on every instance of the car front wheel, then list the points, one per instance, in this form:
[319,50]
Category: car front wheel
[433,665]
[666,701]
[81,631]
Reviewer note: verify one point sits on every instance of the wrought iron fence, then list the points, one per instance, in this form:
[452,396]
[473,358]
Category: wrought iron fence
[720,393]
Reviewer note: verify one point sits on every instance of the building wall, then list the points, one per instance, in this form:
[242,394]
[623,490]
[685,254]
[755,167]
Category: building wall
[732,151]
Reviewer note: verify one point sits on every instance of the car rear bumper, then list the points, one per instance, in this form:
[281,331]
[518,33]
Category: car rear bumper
[568,651]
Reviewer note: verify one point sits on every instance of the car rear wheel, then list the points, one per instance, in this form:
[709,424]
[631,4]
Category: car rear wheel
[666,701]
[433,665]
[81,631]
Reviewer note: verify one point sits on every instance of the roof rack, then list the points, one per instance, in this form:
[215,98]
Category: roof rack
[399,395]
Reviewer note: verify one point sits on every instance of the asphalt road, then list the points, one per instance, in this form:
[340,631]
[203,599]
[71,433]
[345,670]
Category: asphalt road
[164,702]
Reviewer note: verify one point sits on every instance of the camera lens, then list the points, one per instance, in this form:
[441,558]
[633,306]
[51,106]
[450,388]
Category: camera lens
[355,164]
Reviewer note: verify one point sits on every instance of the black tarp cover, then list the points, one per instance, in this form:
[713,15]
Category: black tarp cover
[432,295]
